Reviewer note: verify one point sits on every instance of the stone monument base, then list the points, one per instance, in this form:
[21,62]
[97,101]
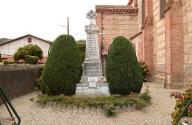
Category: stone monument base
[92,68]
[84,90]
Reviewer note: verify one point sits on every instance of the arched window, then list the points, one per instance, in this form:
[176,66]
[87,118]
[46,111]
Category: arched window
[162,8]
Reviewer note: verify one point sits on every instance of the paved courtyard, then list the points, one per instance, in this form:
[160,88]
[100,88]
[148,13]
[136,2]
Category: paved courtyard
[158,113]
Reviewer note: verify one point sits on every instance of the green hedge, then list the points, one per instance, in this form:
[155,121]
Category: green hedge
[63,68]
[123,72]
[31,59]
[32,50]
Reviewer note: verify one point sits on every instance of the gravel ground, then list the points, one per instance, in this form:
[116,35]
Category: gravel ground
[158,113]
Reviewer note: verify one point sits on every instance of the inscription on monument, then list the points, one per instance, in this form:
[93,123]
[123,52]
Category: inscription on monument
[92,65]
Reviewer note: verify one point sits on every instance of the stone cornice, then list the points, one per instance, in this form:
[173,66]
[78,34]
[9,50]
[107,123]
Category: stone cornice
[117,10]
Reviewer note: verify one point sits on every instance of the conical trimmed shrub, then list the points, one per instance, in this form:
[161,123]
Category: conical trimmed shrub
[63,68]
[122,68]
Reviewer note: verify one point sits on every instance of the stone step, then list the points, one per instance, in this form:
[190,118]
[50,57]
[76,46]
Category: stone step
[7,121]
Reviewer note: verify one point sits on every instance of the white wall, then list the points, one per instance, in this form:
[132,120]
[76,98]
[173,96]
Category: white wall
[11,48]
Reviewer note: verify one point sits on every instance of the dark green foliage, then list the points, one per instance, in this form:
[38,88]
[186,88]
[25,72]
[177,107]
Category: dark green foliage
[5,63]
[62,69]
[145,70]
[122,69]
[110,110]
[32,50]
[20,54]
[39,78]
[81,47]
[31,59]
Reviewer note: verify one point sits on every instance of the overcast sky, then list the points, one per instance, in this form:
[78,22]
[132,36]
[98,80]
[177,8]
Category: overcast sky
[43,17]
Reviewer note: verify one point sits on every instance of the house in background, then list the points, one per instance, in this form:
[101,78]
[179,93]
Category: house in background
[8,48]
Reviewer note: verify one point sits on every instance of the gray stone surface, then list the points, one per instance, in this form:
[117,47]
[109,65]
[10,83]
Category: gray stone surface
[158,113]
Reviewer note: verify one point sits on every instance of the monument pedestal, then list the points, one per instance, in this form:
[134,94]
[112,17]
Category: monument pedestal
[92,67]
[92,77]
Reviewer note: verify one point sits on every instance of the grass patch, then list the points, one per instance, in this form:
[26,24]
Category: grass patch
[107,103]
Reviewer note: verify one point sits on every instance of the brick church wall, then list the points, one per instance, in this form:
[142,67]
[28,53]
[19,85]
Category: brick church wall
[118,25]
[115,21]
[158,43]
[163,42]
[187,26]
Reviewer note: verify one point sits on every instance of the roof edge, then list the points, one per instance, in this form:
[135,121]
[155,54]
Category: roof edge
[21,37]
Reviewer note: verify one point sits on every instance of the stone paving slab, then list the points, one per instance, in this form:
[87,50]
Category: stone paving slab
[158,113]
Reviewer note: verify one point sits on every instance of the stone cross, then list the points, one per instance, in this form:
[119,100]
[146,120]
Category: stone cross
[91,15]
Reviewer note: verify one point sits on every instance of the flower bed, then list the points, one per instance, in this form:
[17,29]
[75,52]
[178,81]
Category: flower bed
[107,103]
[182,100]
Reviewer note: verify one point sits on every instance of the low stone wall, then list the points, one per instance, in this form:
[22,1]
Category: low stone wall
[18,79]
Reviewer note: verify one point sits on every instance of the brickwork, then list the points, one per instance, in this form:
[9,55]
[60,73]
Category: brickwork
[163,38]
[115,21]
[137,42]
[187,29]
[174,57]
[158,43]
[147,35]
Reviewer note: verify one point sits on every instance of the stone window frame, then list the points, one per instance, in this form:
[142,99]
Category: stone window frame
[162,4]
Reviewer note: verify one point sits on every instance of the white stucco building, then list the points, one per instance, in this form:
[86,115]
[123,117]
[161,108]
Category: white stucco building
[10,47]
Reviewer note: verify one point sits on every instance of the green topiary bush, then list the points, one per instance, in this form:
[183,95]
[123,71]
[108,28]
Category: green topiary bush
[31,59]
[122,69]
[32,50]
[63,68]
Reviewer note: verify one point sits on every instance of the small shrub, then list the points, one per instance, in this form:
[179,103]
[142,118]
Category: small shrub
[110,110]
[122,69]
[31,59]
[32,50]
[20,54]
[144,69]
[181,101]
[5,63]
[81,47]
[62,69]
